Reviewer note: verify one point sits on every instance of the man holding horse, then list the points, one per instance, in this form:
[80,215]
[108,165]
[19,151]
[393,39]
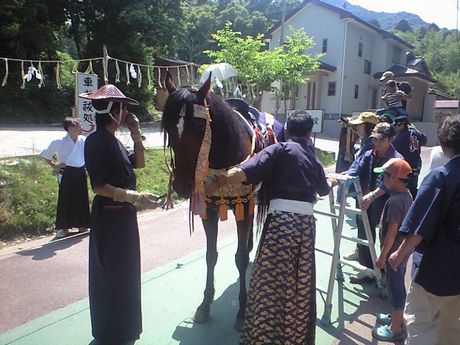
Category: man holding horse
[281,305]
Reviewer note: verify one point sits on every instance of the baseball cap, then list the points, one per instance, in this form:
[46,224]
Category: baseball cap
[401,119]
[364,117]
[387,74]
[382,130]
[386,117]
[397,167]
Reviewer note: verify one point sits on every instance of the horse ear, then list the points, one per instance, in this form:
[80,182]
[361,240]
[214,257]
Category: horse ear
[205,88]
[169,83]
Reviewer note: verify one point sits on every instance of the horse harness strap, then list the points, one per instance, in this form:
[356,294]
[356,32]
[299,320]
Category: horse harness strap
[169,202]
[236,195]
[198,198]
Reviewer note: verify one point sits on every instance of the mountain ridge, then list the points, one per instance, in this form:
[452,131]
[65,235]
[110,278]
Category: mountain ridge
[386,20]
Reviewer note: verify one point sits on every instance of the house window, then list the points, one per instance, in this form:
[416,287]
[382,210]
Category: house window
[367,67]
[356,91]
[331,88]
[360,49]
[324,50]
[397,54]
[374,98]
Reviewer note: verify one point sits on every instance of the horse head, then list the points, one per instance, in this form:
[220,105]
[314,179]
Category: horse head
[185,130]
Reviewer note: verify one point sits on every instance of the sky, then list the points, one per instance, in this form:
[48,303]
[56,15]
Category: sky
[441,12]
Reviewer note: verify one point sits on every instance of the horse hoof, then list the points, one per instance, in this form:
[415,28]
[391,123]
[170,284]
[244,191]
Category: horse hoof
[239,322]
[201,316]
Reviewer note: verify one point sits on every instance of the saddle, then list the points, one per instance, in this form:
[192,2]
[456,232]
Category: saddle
[262,123]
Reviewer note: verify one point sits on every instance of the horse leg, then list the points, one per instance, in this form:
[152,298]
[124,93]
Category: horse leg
[242,259]
[210,228]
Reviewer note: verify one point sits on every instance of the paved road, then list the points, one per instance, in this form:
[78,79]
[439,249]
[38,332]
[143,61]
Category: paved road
[22,141]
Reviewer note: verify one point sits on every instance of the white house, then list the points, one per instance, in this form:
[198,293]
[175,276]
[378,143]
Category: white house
[356,55]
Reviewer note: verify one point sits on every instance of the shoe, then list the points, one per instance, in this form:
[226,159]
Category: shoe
[354,256]
[384,333]
[62,233]
[384,319]
[363,277]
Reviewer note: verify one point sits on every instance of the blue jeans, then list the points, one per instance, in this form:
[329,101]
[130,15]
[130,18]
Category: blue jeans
[395,285]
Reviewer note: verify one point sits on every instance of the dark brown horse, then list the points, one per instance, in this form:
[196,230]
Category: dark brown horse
[191,118]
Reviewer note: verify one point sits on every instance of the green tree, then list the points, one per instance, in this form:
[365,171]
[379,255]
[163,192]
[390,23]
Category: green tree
[295,63]
[403,26]
[259,68]
[199,23]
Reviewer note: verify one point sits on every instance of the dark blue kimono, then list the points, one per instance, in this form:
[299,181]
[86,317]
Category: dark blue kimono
[114,253]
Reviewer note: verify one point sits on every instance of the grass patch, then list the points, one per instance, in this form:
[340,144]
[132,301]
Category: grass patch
[28,192]
[327,158]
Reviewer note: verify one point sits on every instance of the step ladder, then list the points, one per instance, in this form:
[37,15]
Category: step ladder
[345,183]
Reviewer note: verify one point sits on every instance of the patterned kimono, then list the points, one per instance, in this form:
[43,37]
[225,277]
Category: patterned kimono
[281,307]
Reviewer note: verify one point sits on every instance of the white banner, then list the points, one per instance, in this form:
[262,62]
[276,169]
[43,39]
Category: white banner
[317,116]
[85,111]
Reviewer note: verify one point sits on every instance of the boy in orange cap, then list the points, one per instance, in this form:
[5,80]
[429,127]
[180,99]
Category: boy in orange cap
[396,173]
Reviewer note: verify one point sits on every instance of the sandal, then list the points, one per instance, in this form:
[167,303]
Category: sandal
[384,333]
[384,319]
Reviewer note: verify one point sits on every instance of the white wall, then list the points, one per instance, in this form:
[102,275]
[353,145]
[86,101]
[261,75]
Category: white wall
[320,23]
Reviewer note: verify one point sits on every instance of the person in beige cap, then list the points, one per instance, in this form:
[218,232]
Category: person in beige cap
[114,249]
[374,190]
[363,126]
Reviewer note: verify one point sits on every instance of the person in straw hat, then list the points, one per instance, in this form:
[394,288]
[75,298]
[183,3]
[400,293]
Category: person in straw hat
[114,254]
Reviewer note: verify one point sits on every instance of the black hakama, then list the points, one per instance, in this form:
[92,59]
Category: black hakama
[73,203]
[114,252]
[114,272]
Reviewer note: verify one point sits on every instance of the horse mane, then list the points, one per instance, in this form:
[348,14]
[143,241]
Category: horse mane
[230,143]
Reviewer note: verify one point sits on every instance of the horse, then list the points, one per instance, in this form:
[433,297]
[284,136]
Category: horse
[208,137]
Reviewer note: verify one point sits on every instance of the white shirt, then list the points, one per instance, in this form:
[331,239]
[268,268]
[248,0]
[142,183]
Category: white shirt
[67,151]
[437,157]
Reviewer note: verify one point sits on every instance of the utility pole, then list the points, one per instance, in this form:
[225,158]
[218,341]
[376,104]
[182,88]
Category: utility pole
[281,41]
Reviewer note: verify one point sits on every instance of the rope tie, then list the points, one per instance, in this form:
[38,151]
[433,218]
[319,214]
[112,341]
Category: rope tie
[6,73]
[117,75]
[42,80]
[159,78]
[23,75]
[58,79]
[139,76]
[89,69]
[128,82]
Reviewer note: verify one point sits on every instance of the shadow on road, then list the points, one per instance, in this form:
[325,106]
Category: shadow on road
[219,330]
[48,250]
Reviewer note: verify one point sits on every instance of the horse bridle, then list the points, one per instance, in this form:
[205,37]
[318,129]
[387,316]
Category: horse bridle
[198,198]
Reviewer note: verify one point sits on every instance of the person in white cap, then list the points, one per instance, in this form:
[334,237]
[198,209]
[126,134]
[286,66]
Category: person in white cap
[401,85]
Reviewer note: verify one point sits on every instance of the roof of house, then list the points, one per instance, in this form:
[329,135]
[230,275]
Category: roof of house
[446,104]
[343,14]
[402,71]
[417,62]
[173,62]
[439,94]
[327,67]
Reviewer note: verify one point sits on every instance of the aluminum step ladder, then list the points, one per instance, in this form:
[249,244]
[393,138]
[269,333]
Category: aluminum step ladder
[345,183]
